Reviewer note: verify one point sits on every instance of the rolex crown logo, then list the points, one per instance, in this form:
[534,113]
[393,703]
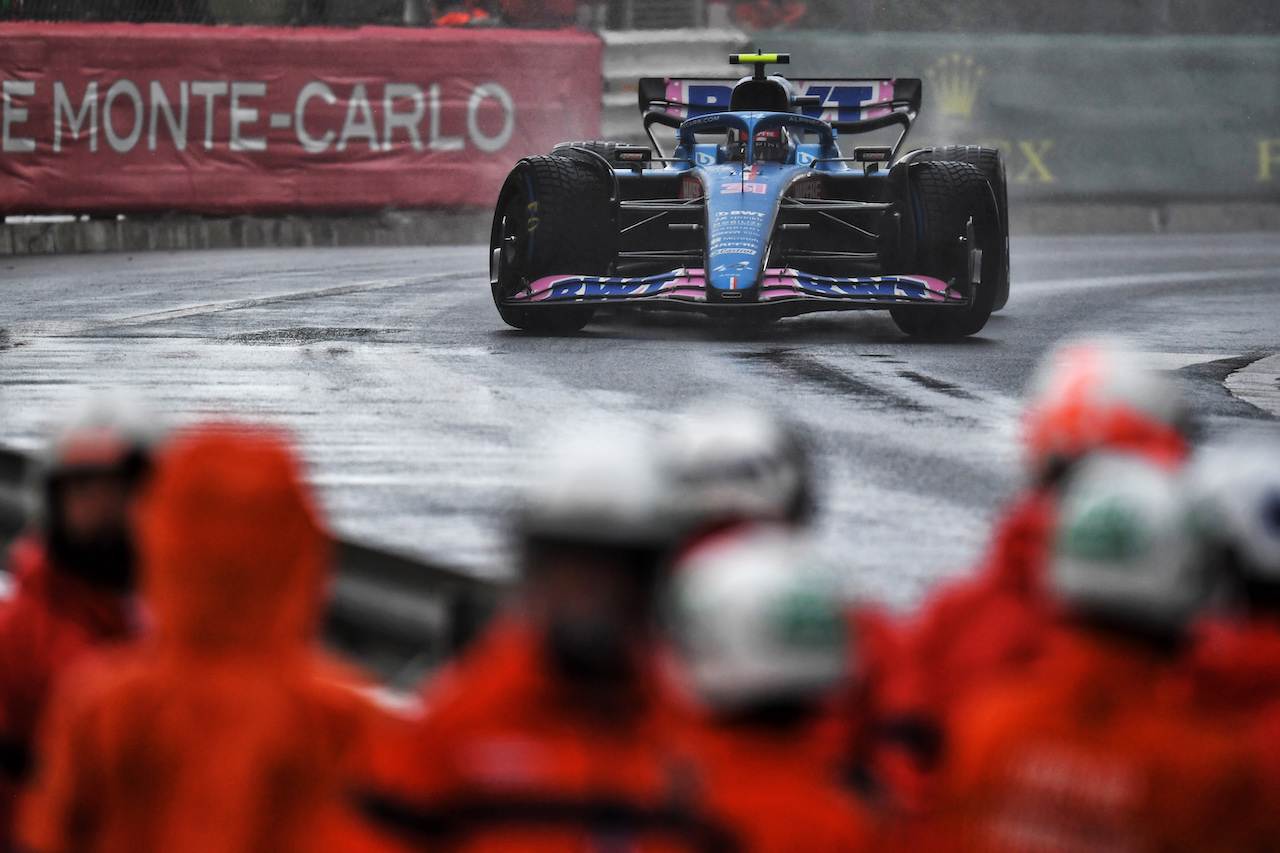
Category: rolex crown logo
[956,79]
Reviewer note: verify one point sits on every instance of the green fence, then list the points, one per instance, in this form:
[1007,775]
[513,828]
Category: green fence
[1182,118]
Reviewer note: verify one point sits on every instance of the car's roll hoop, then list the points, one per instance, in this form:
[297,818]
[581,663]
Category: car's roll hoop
[759,60]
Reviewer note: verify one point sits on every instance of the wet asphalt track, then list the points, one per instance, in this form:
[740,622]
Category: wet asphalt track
[417,406]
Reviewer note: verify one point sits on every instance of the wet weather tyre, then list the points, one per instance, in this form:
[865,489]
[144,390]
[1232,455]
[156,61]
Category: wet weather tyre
[945,196]
[607,150]
[555,216]
[991,163]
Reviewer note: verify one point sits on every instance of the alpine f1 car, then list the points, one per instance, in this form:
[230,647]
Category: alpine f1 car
[757,213]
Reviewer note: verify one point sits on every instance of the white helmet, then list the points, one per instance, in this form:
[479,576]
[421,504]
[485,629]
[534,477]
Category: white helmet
[102,433]
[755,624]
[1097,394]
[1125,547]
[1235,495]
[111,431]
[108,435]
[606,491]
[731,462]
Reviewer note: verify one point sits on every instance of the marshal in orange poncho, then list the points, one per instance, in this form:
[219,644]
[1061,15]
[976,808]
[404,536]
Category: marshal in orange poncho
[228,731]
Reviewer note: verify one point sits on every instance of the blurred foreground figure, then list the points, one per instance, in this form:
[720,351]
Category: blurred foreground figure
[227,733]
[1235,491]
[1088,396]
[1097,749]
[734,467]
[763,645]
[539,13]
[553,732]
[732,464]
[460,13]
[73,574]
[768,14]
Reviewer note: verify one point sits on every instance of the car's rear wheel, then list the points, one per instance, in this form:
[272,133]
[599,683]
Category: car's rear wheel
[608,150]
[604,149]
[554,217]
[946,198]
[990,162]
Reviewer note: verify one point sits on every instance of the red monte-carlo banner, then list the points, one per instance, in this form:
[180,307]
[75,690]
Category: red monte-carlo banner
[111,118]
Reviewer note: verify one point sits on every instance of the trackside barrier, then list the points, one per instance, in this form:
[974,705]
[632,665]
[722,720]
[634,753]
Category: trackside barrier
[150,233]
[632,54]
[388,610]
[152,118]
[391,610]
[1130,119]
[13,468]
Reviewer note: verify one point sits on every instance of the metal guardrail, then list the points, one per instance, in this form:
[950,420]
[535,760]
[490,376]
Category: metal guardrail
[396,614]
[400,615]
[13,470]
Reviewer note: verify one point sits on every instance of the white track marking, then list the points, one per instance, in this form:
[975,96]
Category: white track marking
[72,329]
[1179,360]
[1258,384]
[1139,279]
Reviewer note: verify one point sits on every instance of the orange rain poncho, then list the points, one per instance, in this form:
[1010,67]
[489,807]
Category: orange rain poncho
[512,758]
[968,635]
[228,732]
[1100,749]
[52,621]
[775,790]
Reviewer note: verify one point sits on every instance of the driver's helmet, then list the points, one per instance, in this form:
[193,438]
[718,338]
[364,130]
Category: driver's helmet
[736,145]
[772,145]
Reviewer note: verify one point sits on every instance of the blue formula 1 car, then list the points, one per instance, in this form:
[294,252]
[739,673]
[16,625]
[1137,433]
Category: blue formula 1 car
[757,214]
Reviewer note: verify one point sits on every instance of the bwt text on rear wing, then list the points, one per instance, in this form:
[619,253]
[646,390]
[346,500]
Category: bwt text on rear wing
[837,101]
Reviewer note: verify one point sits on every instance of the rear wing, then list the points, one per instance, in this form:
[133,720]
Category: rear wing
[843,103]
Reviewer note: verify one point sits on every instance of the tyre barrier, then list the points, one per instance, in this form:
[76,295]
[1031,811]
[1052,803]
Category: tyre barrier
[395,614]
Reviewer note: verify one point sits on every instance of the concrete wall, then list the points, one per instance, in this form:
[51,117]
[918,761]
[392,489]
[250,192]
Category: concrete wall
[393,228]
